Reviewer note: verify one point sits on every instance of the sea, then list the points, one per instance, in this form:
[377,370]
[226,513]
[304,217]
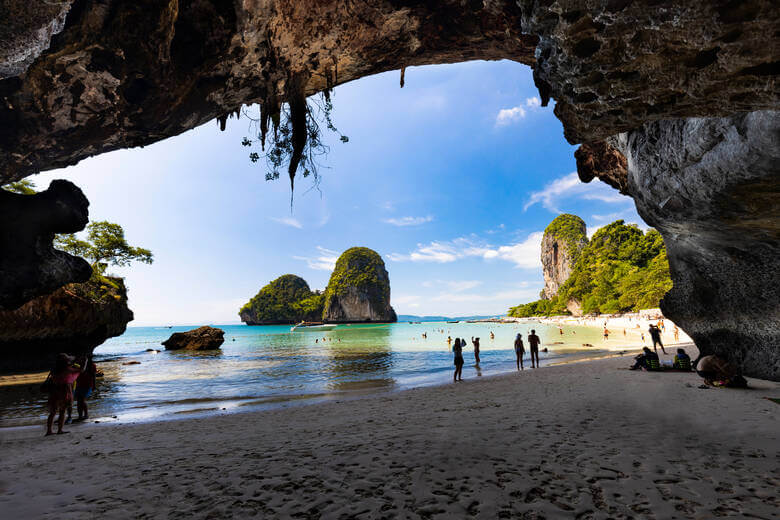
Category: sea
[262,367]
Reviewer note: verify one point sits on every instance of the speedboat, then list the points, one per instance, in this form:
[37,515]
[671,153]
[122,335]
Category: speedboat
[308,325]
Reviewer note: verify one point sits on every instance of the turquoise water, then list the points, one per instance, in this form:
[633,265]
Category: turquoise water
[269,366]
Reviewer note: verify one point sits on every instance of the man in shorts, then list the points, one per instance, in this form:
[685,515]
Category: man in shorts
[533,342]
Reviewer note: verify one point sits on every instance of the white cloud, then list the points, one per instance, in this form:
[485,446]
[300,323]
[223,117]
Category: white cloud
[570,187]
[508,116]
[523,254]
[408,221]
[288,221]
[325,261]
[533,102]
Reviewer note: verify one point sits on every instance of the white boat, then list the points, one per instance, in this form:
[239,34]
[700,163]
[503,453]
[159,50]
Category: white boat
[303,326]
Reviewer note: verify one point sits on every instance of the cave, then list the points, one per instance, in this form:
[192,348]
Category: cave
[674,104]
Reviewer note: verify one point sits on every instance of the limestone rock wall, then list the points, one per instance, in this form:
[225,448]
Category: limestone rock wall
[123,74]
[562,241]
[29,264]
[711,186]
[74,319]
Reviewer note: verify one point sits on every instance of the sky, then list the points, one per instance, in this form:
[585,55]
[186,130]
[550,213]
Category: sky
[452,179]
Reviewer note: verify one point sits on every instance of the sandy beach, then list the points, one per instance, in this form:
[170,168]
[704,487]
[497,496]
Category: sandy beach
[583,440]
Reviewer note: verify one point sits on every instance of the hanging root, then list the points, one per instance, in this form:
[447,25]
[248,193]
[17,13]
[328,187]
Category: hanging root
[403,73]
[298,112]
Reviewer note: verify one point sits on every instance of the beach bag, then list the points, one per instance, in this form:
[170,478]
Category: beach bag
[47,385]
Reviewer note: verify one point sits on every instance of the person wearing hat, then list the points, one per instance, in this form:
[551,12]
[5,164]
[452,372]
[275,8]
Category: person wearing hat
[59,384]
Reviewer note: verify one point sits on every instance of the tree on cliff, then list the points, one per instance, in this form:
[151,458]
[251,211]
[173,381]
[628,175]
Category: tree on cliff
[105,244]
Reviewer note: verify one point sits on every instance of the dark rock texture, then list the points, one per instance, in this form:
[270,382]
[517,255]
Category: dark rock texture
[124,74]
[562,242]
[711,186]
[602,160]
[202,338]
[74,319]
[359,289]
[29,264]
[25,33]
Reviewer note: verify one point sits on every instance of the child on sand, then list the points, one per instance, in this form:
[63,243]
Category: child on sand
[60,387]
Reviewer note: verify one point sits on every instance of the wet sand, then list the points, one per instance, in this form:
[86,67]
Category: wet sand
[583,440]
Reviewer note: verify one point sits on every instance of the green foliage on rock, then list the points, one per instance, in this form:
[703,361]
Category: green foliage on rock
[621,269]
[288,299]
[571,230]
[22,187]
[361,269]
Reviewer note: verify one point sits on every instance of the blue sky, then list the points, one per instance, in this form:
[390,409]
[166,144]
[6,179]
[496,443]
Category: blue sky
[451,179]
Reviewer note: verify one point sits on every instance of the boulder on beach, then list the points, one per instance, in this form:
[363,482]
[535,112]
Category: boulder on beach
[202,338]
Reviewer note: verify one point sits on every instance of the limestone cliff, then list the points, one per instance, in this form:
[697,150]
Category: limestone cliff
[359,289]
[562,242]
[74,319]
[288,299]
[710,187]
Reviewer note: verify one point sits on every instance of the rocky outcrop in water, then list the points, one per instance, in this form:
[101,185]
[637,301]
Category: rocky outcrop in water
[73,319]
[29,264]
[288,299]
[562,242]
[202,338]
[359,289]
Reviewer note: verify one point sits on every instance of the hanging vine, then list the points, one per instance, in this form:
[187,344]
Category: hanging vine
[296,139]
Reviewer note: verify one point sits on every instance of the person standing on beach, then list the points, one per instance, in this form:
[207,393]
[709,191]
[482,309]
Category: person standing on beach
[533,342]
[519,351]
[59,384]
[676,334]
[449,341]
[655,335]
[457,349]
[475,342]
[85,385]
[606,333]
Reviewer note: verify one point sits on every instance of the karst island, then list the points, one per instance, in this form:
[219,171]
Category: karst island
[376,259]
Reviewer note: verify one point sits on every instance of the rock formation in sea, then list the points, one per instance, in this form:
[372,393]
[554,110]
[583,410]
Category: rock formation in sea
[202,338]
[75,319]
[562,242]
[288,299]
[359,289]
[629,74]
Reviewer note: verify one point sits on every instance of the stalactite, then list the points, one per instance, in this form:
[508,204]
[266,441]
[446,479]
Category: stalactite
[403,73]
